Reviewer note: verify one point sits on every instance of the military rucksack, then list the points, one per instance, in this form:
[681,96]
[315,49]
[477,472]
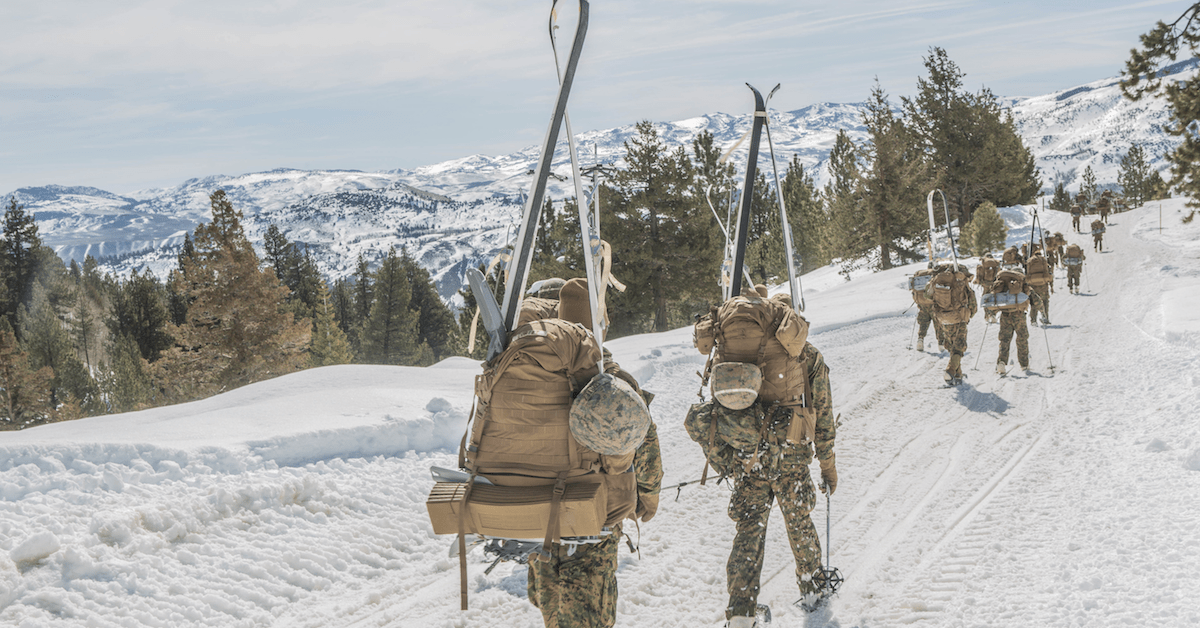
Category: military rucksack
[916,285]
[542,481]
[768,333]
[1005,293]
[1097,227]
[1012,257]
[1037,271]
[1073,255]
[986,273]
[949,292]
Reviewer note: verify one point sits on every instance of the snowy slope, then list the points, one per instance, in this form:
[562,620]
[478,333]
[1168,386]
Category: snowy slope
[1070,497]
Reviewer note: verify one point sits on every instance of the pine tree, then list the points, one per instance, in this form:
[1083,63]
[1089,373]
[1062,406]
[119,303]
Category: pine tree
[125,380]
[985,233]
[1142,77]
[436,326]
[49,345]
[24,392]
[329,343]
[659,236]
[1061,200]
[893,180]
[18,250]
[389,333]
[238,330]
[1088,187]
[764,248]
[1134,176]
[972,146]
[847,236]
[139,310]
[806,216]
[1156,187]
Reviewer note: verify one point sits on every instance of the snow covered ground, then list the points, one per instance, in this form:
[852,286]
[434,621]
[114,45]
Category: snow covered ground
[1070,497]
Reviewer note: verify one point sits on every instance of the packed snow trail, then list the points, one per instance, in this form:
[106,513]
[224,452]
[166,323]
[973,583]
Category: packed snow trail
[1065,498]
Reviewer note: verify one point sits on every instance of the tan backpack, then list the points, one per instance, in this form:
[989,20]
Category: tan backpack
[766,332]
[1037,271]
[1011,256]
[949,292]
[916,285]
[542,482]
[1005,293]
[1073,255]
[986,273]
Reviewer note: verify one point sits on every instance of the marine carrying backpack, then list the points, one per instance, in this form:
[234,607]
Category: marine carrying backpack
[1037,271]
[1073,255]
[1005,293]
[986,273]
[768,333]
[949,292]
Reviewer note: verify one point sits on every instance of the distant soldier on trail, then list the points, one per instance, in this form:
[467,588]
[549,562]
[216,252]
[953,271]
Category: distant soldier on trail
[1105,205]
[1098,235]
[1073,260]
[1012,258]
[1012,317]
[954,305]
[925,310]
[1076,215]
[1039,278]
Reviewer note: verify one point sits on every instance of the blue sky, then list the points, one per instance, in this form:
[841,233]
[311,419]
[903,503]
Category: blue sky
[130,94]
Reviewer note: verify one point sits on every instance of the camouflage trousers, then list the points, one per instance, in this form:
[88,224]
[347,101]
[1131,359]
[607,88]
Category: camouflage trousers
[1039,301]
[955,337]
[580,590]
[750,507]
[924,319]
[1075,222]
[1097,241]
[1073,273]
[1010,323]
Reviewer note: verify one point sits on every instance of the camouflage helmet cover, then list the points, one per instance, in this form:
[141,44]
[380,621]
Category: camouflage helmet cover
[609,417]
[735,385]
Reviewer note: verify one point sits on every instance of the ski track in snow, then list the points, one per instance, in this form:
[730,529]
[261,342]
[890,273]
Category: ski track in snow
[1068,497]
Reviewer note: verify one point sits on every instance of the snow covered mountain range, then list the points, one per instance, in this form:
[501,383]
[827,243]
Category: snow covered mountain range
[458,213]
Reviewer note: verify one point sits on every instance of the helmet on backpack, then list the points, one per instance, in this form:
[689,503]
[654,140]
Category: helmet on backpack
[609,417]
[735,384]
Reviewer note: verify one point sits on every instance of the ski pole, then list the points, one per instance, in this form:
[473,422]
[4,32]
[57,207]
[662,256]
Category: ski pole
[1085,277]
[1048,356]
[913,334]
[978,354]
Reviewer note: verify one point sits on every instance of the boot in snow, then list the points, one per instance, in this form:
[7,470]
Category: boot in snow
[1000,370]
[920,344]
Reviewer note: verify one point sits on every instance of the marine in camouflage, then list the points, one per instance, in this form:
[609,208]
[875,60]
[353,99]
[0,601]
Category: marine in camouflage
[781,472]
[579,590]
[1014,322]
[924,319]
[1073,273]
[1039,301]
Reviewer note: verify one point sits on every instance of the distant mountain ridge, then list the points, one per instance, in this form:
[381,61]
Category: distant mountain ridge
[458,213]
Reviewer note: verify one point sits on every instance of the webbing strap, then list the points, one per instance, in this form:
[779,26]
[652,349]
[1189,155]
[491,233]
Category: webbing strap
[560,486]
[462,542]
[712,441]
